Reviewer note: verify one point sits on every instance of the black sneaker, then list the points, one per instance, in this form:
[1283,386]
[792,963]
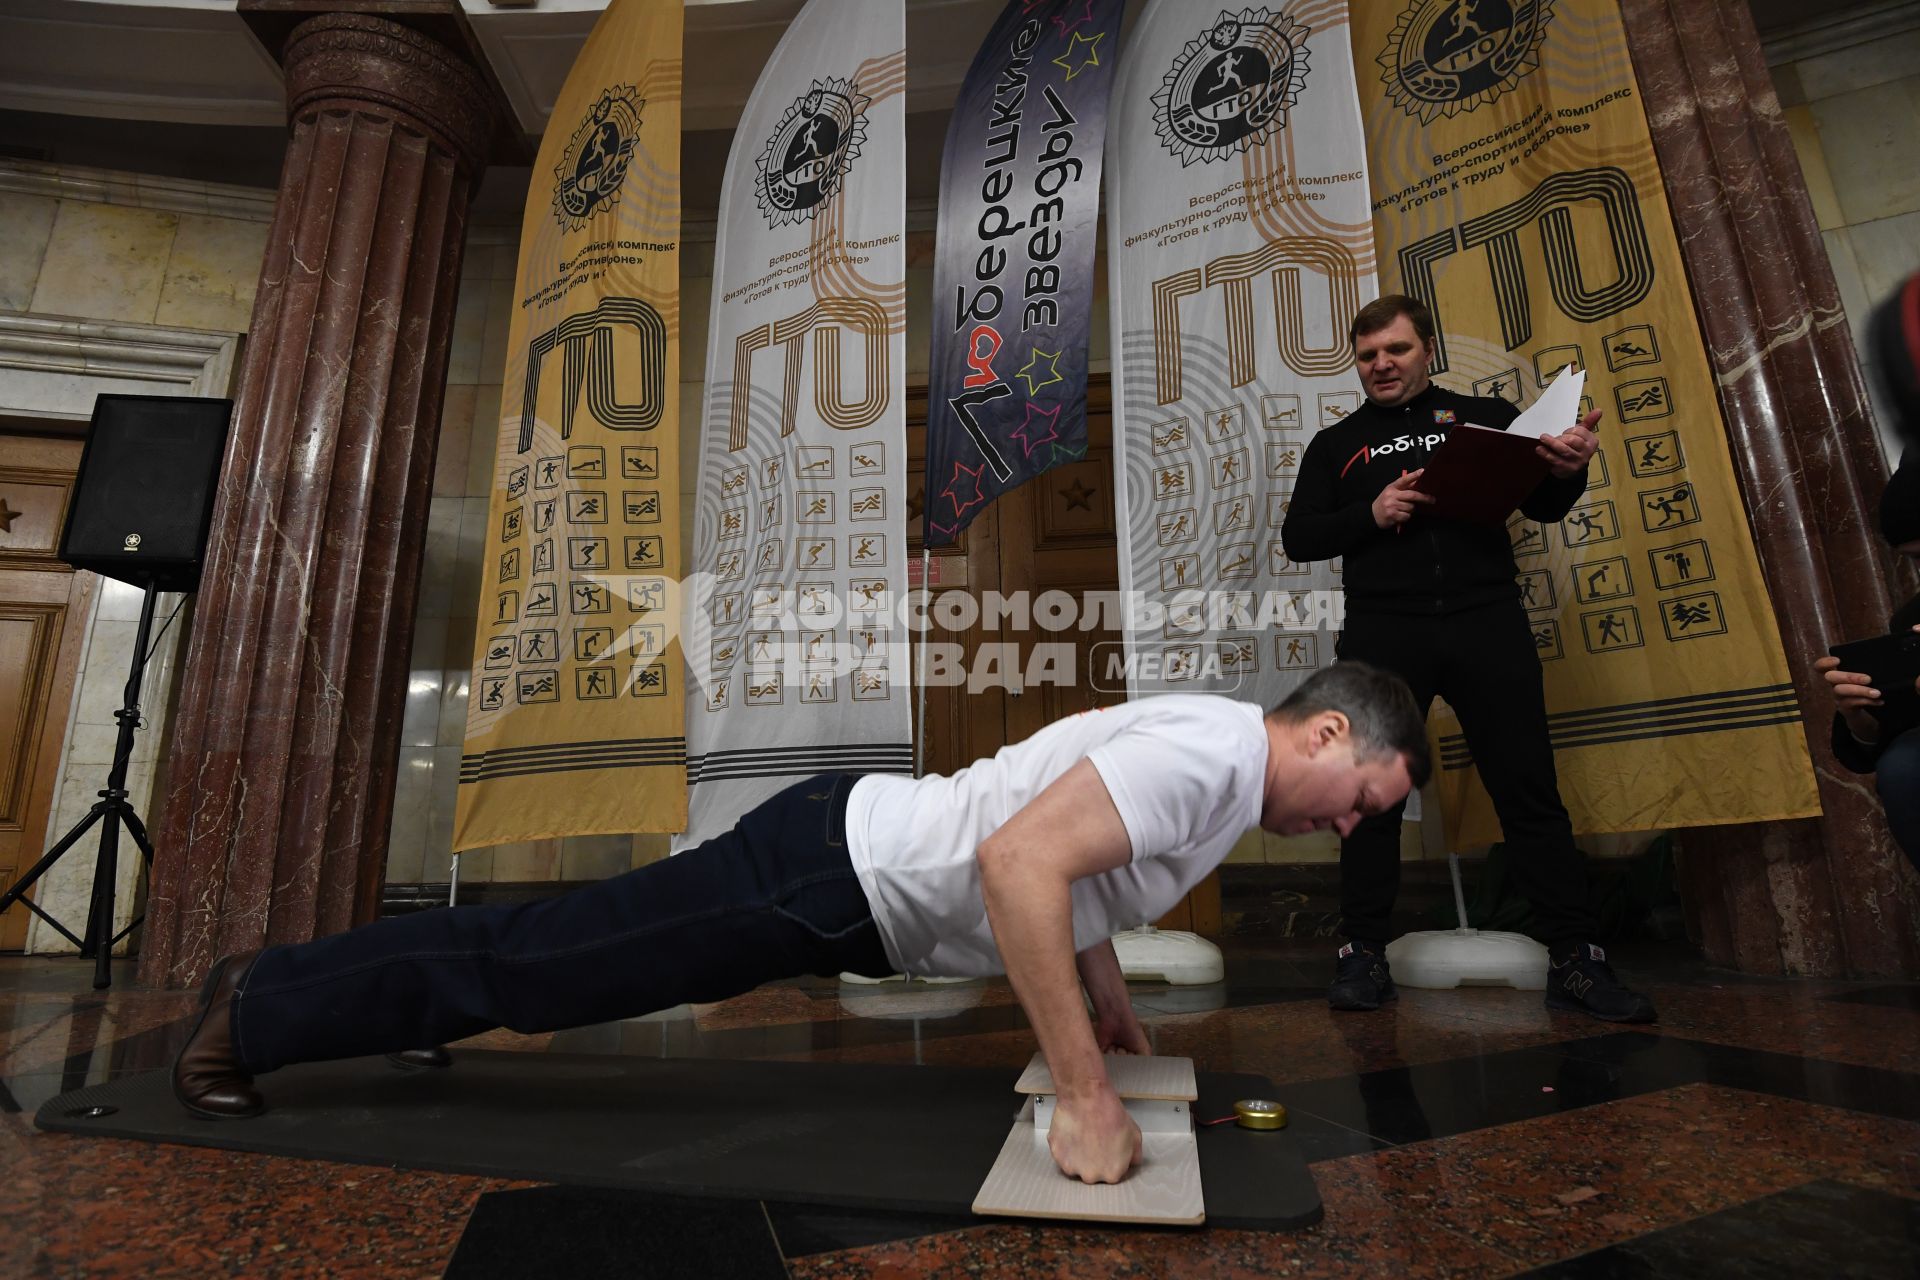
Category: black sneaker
[1579,978]
[1361,979]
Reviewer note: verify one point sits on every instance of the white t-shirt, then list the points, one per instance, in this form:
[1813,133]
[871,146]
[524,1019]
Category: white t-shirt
[1186,771]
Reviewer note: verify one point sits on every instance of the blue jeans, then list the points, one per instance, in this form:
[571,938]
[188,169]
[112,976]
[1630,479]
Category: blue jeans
[1897,778]
[776,897]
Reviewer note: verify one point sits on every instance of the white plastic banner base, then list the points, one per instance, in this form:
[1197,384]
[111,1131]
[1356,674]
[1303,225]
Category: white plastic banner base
[1442,959]
[1171,956]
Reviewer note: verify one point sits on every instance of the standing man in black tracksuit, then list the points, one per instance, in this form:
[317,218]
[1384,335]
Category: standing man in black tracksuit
[1435,601]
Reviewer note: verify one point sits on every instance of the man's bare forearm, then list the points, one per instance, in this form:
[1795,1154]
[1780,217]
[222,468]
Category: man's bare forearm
[1070,831]
[1031,912]
[1100,974]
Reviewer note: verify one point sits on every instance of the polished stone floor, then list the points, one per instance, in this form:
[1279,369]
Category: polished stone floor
[1762,1128]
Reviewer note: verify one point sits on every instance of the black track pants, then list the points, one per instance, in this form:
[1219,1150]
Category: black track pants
[1482,661]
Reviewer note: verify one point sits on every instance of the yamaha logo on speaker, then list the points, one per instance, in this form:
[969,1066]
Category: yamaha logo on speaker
[130,543]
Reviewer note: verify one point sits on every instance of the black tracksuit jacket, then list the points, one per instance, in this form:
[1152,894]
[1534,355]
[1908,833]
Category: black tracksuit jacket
[1431,566]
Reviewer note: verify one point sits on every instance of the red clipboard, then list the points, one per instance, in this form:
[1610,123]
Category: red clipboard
[1481,475]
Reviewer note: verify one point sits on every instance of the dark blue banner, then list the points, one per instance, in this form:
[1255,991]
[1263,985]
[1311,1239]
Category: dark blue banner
[1013,276]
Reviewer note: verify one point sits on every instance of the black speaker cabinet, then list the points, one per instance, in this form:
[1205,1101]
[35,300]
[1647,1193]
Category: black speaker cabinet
[143,501]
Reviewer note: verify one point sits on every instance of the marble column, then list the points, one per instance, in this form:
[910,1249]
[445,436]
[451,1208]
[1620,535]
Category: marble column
[286,736]
[1830,896]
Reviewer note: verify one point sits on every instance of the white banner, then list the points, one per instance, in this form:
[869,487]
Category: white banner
[798,562]
[1240,244]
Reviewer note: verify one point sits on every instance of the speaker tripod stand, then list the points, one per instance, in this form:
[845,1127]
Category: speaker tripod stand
[110,811]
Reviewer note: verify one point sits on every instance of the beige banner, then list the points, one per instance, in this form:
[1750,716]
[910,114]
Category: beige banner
[576,720]
[1516,190]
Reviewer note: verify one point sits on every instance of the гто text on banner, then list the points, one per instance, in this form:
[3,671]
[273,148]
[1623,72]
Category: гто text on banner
[575,720]
[1517,192]
[1239,245]
[797,651]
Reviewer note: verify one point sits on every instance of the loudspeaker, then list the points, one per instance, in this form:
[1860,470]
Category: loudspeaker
[143,501]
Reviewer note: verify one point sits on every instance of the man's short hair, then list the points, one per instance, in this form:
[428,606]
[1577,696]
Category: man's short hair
[1384,310]
[1379,709]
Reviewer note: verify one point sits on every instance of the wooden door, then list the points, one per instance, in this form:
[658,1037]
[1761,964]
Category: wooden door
[1057,534]
[1054,533]
[43,606]
[961,726]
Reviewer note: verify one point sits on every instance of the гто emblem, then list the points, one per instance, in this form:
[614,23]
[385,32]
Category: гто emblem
[1449,56]
[811,151]
[590,171]
[1230,88]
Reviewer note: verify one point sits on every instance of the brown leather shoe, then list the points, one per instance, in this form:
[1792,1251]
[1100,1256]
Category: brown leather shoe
[421,1059]
[207,1078]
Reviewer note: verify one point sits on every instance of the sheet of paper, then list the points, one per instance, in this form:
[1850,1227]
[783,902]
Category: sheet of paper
[1557,408]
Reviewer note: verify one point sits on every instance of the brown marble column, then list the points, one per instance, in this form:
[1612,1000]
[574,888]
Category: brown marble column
[1830,896]
[286,737]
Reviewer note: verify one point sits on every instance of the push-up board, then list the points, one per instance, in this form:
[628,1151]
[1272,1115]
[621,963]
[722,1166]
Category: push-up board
[1130,1075]
[1163,1189]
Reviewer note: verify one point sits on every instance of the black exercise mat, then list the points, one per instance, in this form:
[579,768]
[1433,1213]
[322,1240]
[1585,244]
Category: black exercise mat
[587,1233]
[869,1136]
